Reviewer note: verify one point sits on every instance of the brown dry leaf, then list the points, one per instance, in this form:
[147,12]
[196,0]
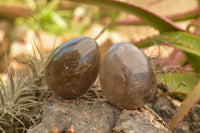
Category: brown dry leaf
[54,130]
[71,130]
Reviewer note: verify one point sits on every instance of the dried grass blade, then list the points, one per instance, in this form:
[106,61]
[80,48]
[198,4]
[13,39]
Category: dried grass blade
[1,95]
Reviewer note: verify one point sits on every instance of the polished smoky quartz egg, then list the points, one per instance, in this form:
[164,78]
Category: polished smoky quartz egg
[126,77]
[73,67]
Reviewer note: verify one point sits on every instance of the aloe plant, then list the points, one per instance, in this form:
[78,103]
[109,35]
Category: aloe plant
[161,23]
[188,15]
[186,42]
[179,84]
[192,98]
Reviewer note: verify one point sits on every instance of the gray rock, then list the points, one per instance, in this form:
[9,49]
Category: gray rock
[97,117]
[142,120]
[86,117]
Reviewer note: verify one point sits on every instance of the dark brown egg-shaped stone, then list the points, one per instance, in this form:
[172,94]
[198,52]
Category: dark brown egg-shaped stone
[126,77]
[73,67]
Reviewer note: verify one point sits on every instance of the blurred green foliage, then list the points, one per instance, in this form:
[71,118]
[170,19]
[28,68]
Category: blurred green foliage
[46,17]
[49,17]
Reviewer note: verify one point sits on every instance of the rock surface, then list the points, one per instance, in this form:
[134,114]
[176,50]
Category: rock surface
[142,120]
[97,117]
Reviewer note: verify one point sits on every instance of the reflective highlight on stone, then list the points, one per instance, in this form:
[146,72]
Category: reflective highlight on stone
[126,77]
[73,67]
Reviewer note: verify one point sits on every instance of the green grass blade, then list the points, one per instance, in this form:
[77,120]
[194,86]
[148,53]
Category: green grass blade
[192,98]
[161,23]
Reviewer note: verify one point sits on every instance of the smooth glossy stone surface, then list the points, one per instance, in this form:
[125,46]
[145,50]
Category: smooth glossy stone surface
[126,77]
[73,67]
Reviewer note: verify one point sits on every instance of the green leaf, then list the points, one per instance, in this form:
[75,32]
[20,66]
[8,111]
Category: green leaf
[191,41]
[192,98]
[52,5]
[153,19]
[186,42]
[114,15]
[58,20]
[179,83]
